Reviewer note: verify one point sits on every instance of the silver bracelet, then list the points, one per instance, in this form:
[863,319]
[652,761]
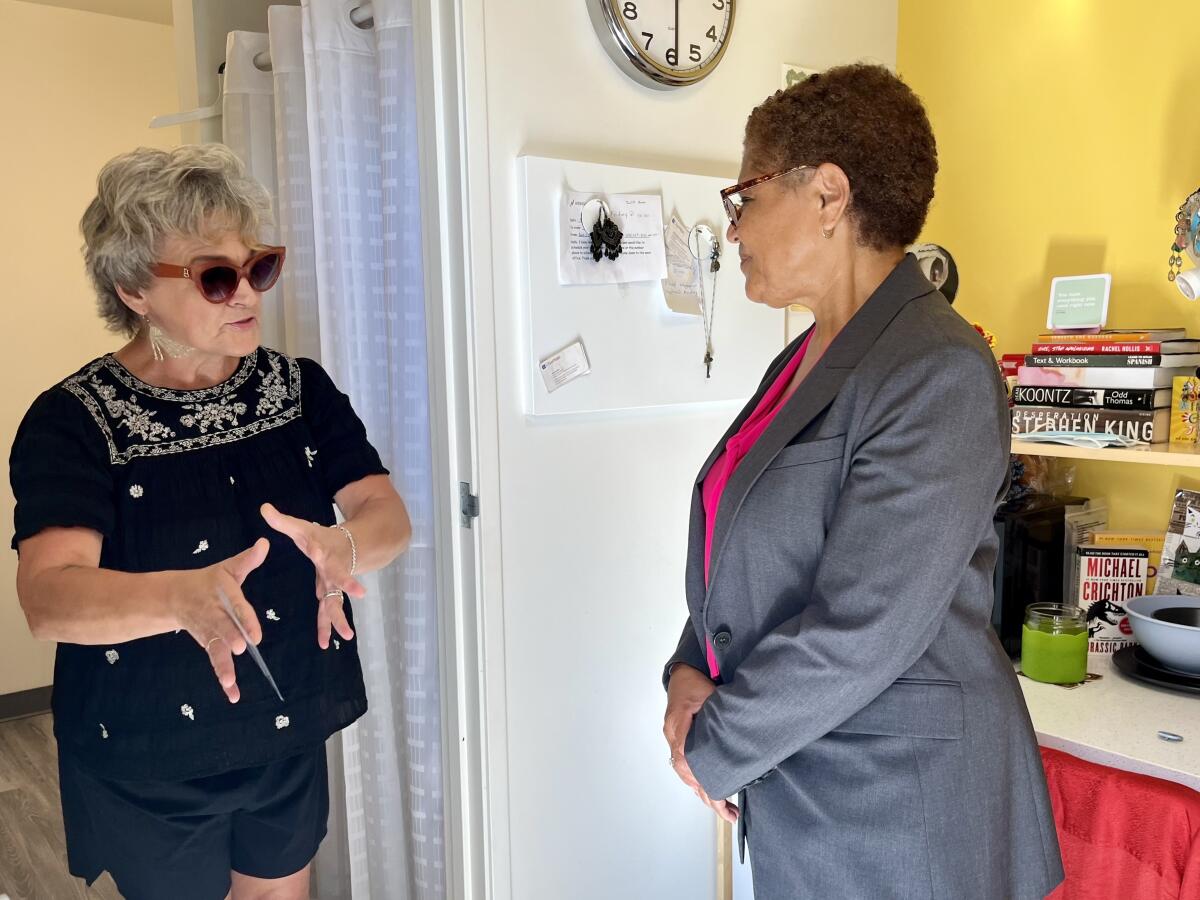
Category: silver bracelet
[353,547]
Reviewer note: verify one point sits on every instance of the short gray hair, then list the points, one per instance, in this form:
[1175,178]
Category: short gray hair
[196,190]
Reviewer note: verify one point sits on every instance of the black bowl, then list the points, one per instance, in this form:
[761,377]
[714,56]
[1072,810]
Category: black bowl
[1180,615]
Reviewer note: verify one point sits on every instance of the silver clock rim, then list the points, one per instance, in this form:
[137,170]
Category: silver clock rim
[628,55]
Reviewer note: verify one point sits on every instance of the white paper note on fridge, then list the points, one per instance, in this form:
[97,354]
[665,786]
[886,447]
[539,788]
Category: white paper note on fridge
[643,257]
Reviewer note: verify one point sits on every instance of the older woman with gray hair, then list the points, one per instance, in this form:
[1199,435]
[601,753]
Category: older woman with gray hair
[175,508]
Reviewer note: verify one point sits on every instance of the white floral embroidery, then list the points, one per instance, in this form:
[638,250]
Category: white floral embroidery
[213,415]
[112,656]
[272,615]
[200,548]
[187,710]
[231,481]
[130,415]
[282,722]
[310,455]
[103,731]
[337,645]
[132,431]
[131,381]
[273,389]
[136,491]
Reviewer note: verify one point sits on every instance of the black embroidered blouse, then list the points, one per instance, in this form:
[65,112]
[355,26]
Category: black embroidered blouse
[174,480]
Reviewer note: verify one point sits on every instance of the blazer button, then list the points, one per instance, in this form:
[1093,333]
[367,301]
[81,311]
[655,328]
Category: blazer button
[722,639]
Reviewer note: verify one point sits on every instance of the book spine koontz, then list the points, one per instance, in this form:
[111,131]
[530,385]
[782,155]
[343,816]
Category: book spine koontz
[1134,424]
[1089,398]
[1109,360]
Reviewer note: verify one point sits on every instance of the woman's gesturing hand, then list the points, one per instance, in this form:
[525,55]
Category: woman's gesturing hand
[331,554]
[198,604]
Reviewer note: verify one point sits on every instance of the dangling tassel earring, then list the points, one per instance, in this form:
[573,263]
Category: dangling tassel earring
[161,345]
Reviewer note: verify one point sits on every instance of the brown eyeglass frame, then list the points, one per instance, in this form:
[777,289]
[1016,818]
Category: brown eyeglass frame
[731,209]
[194,272]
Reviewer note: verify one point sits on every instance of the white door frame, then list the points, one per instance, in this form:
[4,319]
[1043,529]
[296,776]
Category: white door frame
[455,208]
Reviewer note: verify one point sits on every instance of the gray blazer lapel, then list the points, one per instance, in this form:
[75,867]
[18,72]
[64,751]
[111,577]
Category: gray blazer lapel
[777,365]
[694,578]
[905,283]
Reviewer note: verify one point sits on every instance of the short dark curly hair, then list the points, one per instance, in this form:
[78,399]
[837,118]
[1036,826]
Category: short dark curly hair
[866,120]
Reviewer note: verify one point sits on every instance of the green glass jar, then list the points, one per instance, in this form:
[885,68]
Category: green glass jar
[1054,643]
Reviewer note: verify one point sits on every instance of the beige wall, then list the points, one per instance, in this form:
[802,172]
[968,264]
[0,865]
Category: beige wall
[78,88]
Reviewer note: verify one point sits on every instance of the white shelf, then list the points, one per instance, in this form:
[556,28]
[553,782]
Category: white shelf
[1115,722]
[1152,454]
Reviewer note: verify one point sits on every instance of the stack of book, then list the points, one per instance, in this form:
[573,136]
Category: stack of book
[1110,382]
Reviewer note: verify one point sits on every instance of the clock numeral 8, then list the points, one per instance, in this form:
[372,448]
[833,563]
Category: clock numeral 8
[630,10]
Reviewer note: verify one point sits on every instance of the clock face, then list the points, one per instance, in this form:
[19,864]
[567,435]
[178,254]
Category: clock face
[666,43]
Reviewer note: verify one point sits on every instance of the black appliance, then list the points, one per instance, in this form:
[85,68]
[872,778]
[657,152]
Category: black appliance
[1029,568]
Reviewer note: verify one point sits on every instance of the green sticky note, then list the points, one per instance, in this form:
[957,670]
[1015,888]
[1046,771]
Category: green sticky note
[1078,301]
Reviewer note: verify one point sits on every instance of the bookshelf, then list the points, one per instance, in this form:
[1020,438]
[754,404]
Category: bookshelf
[1154,454]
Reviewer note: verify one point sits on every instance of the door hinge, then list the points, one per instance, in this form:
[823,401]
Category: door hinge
[468,504]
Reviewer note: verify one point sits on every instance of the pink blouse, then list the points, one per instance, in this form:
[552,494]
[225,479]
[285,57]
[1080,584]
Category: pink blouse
[735,451]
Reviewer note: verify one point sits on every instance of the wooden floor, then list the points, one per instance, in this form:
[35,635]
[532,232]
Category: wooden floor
[33,854]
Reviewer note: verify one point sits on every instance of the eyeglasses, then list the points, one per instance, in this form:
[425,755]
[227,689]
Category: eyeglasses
[218,279]
[732,198]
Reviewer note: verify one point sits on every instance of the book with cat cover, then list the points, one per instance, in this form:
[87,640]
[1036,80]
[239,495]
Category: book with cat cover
[1147,426]
[1108,578]
[1098,398]
[1147,540]
[1179,566]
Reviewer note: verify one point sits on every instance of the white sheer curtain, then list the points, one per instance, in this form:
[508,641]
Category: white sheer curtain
[345,178]
[247,113]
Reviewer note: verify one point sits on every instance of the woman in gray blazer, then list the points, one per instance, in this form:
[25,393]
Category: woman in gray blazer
[838,672]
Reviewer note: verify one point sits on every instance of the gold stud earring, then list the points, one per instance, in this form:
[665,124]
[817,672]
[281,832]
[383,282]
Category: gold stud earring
[826,233]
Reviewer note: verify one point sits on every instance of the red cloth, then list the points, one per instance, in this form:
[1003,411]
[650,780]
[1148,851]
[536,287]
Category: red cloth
[1123,836]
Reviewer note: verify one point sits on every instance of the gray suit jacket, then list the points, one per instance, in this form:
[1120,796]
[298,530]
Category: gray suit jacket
[866,714]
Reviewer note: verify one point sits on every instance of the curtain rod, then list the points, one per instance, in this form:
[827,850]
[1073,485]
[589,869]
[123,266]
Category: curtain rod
[363,16]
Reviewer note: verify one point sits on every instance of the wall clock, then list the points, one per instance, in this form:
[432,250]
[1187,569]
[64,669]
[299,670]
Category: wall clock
[664,44]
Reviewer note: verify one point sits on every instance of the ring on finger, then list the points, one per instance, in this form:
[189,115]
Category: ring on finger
[335,593]
[211,641]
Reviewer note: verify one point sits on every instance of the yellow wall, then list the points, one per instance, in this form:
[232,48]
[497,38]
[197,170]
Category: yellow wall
[1068,133]
[77,88]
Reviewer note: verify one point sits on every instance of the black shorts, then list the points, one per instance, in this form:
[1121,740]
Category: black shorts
[181,839]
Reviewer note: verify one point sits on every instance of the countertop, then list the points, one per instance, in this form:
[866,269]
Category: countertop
[1115,721]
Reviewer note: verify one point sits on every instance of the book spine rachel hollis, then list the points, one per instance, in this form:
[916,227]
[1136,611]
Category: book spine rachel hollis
[1088,349]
